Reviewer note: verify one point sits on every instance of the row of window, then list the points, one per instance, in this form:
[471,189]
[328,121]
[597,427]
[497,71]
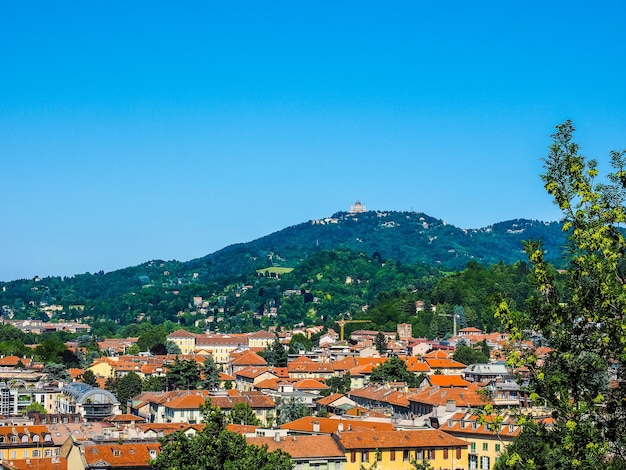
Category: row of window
[35,453]
[407,454]
[485,447]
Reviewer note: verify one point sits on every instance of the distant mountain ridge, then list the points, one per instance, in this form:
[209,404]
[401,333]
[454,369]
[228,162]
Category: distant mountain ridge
[407,237]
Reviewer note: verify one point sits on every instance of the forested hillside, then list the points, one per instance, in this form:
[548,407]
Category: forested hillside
[364,265]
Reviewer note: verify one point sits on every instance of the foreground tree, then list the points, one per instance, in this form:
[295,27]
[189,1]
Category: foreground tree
[216,448]
[584,323]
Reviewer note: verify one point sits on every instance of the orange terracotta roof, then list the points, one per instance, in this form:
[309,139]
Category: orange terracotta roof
[444,364]
[120,455]
[329,399]
[309,384]
[252,372]
[241,428]
[366,439]
[330,425]
[436,396]
[249,359]
[302,447]
[448,381]
[188,402]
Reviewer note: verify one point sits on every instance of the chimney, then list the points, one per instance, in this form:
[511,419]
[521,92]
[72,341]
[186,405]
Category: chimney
[340,427]
[277,437]
[316,426]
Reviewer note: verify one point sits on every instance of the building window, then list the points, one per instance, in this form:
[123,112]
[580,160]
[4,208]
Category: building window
[485,446]
[445,453]
[392,455]
[36,453]
[48,453]
[473,447]
[365,456]
[405,455]
[353,456]
[484,463]
[497,447]
[458,453]
[419,454]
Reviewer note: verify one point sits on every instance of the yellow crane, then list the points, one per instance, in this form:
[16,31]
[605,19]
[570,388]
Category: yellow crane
[342,323]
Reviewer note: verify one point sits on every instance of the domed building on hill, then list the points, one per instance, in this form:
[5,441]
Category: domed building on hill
[357,208]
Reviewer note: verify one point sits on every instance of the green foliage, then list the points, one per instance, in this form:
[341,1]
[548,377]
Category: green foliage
[211,374]
[56,373]
[151,337]
[290,409]
[127,387]
[380,343]
[89,378]
[394,370]
[37,407]
[51,349]
[471,355]
[275,354]
[216,448]
[183,374]
[338,384]
[583,322]
[153,384]
[299,342]
[242,413]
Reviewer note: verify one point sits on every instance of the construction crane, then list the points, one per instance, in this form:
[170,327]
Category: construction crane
[342,323]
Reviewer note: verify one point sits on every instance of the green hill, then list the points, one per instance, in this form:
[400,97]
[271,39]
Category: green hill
[344,262]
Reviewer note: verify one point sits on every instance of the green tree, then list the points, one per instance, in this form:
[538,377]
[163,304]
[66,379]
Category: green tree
[275,354]
[127,387]
[183,374]
[242,413]
[50,350]
[299,342]
[211,374]
[153,384]
[89,378]
[338,384]
[469,355]
[583,323]
[216,448]
[37,407]
[394,370]
[153,335]
[290,409]
[172,347]
[380,343]
[57,373]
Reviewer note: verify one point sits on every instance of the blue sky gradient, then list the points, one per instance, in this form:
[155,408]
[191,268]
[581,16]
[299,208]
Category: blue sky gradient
[132,131]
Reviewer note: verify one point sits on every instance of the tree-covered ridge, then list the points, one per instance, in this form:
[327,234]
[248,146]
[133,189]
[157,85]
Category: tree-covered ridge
[326,286]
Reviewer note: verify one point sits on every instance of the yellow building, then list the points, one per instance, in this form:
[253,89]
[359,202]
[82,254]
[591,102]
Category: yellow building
[27,442]
[185,341]
[395,450]
[486,442]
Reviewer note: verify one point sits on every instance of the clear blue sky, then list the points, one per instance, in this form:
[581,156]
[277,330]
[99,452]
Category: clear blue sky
[141,130]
